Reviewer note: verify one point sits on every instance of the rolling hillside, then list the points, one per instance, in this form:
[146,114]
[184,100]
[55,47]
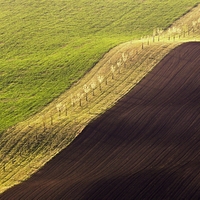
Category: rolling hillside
[28,145]
[145,147]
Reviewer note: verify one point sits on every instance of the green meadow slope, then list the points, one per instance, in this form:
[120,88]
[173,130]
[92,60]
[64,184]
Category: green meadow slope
[45,46]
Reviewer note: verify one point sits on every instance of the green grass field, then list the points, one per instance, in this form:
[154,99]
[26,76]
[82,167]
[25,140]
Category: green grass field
[45,46]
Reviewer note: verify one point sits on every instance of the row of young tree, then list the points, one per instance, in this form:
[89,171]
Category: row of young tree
[90,88]
[177,32]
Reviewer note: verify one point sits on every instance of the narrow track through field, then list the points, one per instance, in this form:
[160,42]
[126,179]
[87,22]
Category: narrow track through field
[146,147]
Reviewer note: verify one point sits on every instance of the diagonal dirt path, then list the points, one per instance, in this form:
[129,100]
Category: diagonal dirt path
[146,147]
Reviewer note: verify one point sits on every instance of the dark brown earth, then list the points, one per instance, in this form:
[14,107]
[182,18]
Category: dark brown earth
[145,147]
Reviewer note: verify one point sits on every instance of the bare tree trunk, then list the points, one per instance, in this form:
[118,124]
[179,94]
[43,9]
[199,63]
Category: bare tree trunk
[86,96]
[51,120]
[100,87]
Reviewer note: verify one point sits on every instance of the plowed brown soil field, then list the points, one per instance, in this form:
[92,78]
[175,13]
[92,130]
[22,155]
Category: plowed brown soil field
[146,147]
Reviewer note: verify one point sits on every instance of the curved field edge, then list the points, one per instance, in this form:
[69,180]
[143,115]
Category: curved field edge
[30,144]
